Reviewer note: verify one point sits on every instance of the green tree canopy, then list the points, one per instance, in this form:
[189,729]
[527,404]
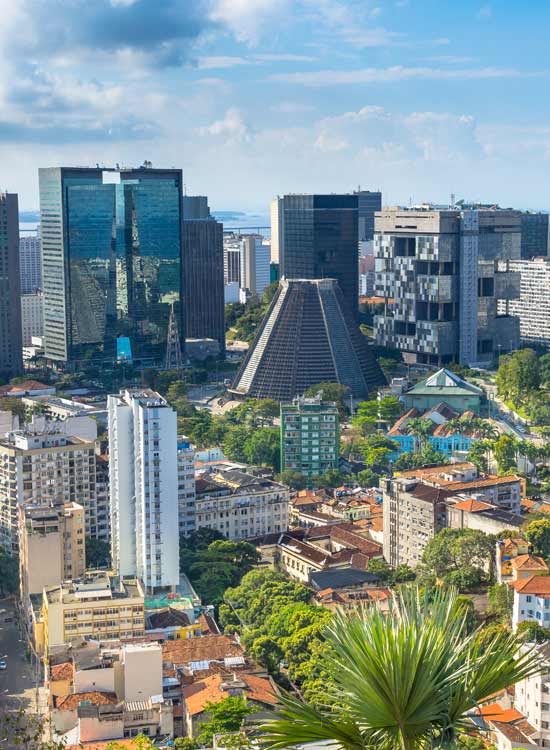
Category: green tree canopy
[98,553]
[518,375]
[504,450]
[460,556]
[537,533]
[225,716]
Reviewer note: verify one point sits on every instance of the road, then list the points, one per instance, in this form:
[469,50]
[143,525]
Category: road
[17,682]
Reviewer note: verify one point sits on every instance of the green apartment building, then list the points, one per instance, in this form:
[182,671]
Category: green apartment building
[310,436]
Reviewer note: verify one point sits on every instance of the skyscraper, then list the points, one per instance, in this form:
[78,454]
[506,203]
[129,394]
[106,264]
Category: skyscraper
[320,240]
[368,202]
[111,260]
[310,436]
[30,264]
[533,306]
[441,274]
[11,362]
[203,273]
[534,235]
[254,264]
[144,488]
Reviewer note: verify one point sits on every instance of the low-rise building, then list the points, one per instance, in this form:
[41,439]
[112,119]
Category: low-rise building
[98,605]
[531,600]
[445,386]
[532,694]
[507,550]
[421,502]
[240,505]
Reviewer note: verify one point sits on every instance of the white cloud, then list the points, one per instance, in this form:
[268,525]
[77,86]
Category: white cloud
[396,73]
[289,107]
[247,19]
[231,127]
[210,62]
[352,22]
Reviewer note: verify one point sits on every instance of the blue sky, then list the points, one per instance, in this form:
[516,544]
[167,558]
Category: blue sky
[418,98]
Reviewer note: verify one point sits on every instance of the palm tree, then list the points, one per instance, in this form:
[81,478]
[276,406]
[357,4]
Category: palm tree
[402,681]
[420,429]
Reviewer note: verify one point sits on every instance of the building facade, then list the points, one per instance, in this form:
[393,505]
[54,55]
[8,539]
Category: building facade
[32,317]
[111,260]
[46,468]
[144,488]
[52,546]
[240,505]
[533,306]
[96,606]
[98,519]
[310,436]
[441,274]
[30,264]
[11,354]
[186,485]
[203,280]
[532,694]
[254,264]
[534,235]
[531,601]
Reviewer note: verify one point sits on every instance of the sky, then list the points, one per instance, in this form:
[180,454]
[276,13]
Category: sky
[253,98]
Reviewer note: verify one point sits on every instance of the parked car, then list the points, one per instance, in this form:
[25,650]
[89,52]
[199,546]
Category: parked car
[3,664]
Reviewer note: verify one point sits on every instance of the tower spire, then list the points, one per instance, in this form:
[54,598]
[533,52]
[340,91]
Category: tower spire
[174,357]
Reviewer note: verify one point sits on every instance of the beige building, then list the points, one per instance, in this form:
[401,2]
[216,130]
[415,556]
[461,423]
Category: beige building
[49,468]
[98,605]
[52,546]
[532,695]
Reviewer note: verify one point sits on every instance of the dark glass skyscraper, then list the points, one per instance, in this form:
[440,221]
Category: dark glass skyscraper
[368,201]
[534,235]
[111,257]
[203,272]
[11,362]
[320,240]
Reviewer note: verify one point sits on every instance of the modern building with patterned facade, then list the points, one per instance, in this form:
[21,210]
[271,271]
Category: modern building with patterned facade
[307,336]
[533,306]
[310,437]
[11,355]
[441,273]
[30,264]
[534,235]
[111,260]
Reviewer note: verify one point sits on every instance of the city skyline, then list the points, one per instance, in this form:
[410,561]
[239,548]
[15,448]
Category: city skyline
[415,99]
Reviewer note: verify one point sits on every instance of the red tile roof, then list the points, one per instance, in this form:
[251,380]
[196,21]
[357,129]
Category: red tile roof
[202,648]
[71,702]
[528,562]
[538,585]
[211,690]
[494,711]
[62,671]
[472,506]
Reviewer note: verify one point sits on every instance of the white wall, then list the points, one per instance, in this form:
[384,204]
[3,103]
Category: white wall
[102,680]
[142,671]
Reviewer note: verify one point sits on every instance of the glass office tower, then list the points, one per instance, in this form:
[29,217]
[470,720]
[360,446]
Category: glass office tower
[111,255]
[321,240]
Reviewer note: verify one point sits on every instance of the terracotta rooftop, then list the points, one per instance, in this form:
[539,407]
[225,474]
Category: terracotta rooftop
[168,618]
[538,585]
[128,743]
[472,506]
[27,385]
[528,562]
[72,702]
[402,421]
[434,470]
[512,543]
[494,711]
[186,650]
[210,690]
[511,732]
[62,671]
[483,482]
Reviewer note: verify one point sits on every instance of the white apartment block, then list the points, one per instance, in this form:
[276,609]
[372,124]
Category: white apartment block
[533,306]
[254,265]
[30,264]
[42,468]
[186,485]
[143,472]
[240,505]
[531,601]
[532,695]
[32,319]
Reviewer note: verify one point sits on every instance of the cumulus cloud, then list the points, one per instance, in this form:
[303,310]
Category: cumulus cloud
[232,126]
[248,18]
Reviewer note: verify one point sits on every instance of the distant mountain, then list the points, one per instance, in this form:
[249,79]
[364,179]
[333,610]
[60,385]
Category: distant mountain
[29,216]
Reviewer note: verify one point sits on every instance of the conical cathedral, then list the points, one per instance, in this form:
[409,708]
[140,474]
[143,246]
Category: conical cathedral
[308,336]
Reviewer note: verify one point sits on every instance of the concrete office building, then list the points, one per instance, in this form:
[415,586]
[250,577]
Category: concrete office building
[32,317]
[231,258]
[533,306]
[441,273]
[203,277]
[111,261]
[534,235]
[240,505]
[144,488]
[47,468]
[277,231]
[52,546]
[310,438]
[97,606]
[11,355]
[254,264]
[307,336]
[30,264]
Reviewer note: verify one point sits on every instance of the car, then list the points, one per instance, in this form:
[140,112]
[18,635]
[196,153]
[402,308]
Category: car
[8,619]
[3,664]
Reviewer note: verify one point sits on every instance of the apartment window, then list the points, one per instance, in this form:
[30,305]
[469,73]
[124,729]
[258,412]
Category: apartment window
[545,706]
[529,599]
[544,724]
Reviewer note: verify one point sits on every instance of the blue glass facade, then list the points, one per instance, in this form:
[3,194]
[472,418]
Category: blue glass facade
[112,257]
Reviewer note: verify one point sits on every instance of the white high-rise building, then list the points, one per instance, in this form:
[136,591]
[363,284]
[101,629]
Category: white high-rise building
[255,257]
[186,485]
[32,317]
[143,472]
[533,306]
[30,264]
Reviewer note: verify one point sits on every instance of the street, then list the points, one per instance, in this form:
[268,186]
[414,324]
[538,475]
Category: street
[17,682]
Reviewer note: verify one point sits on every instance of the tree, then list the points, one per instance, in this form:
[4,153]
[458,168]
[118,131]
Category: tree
[9,573]
[293,479]
[531,632]
[263,448]
[377,451]
[176,390]
[98,553]
[330,392]
[461,556]
[370,414]
[421,429]
[537,533]
[234,442]
[504,450]
[478,454]
[406,679]
[518,375]
[544,369]
[501,600]
[225,716]
[26,731]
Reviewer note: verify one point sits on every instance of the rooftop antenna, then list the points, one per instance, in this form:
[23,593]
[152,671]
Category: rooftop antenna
[174,358]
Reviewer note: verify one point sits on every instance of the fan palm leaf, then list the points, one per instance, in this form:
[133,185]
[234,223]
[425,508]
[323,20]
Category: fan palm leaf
[403,681]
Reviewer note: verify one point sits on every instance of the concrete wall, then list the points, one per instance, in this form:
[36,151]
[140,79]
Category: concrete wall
[102,680]
[142,671]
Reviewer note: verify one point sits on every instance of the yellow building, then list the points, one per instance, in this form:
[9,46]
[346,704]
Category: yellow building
[98,605]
